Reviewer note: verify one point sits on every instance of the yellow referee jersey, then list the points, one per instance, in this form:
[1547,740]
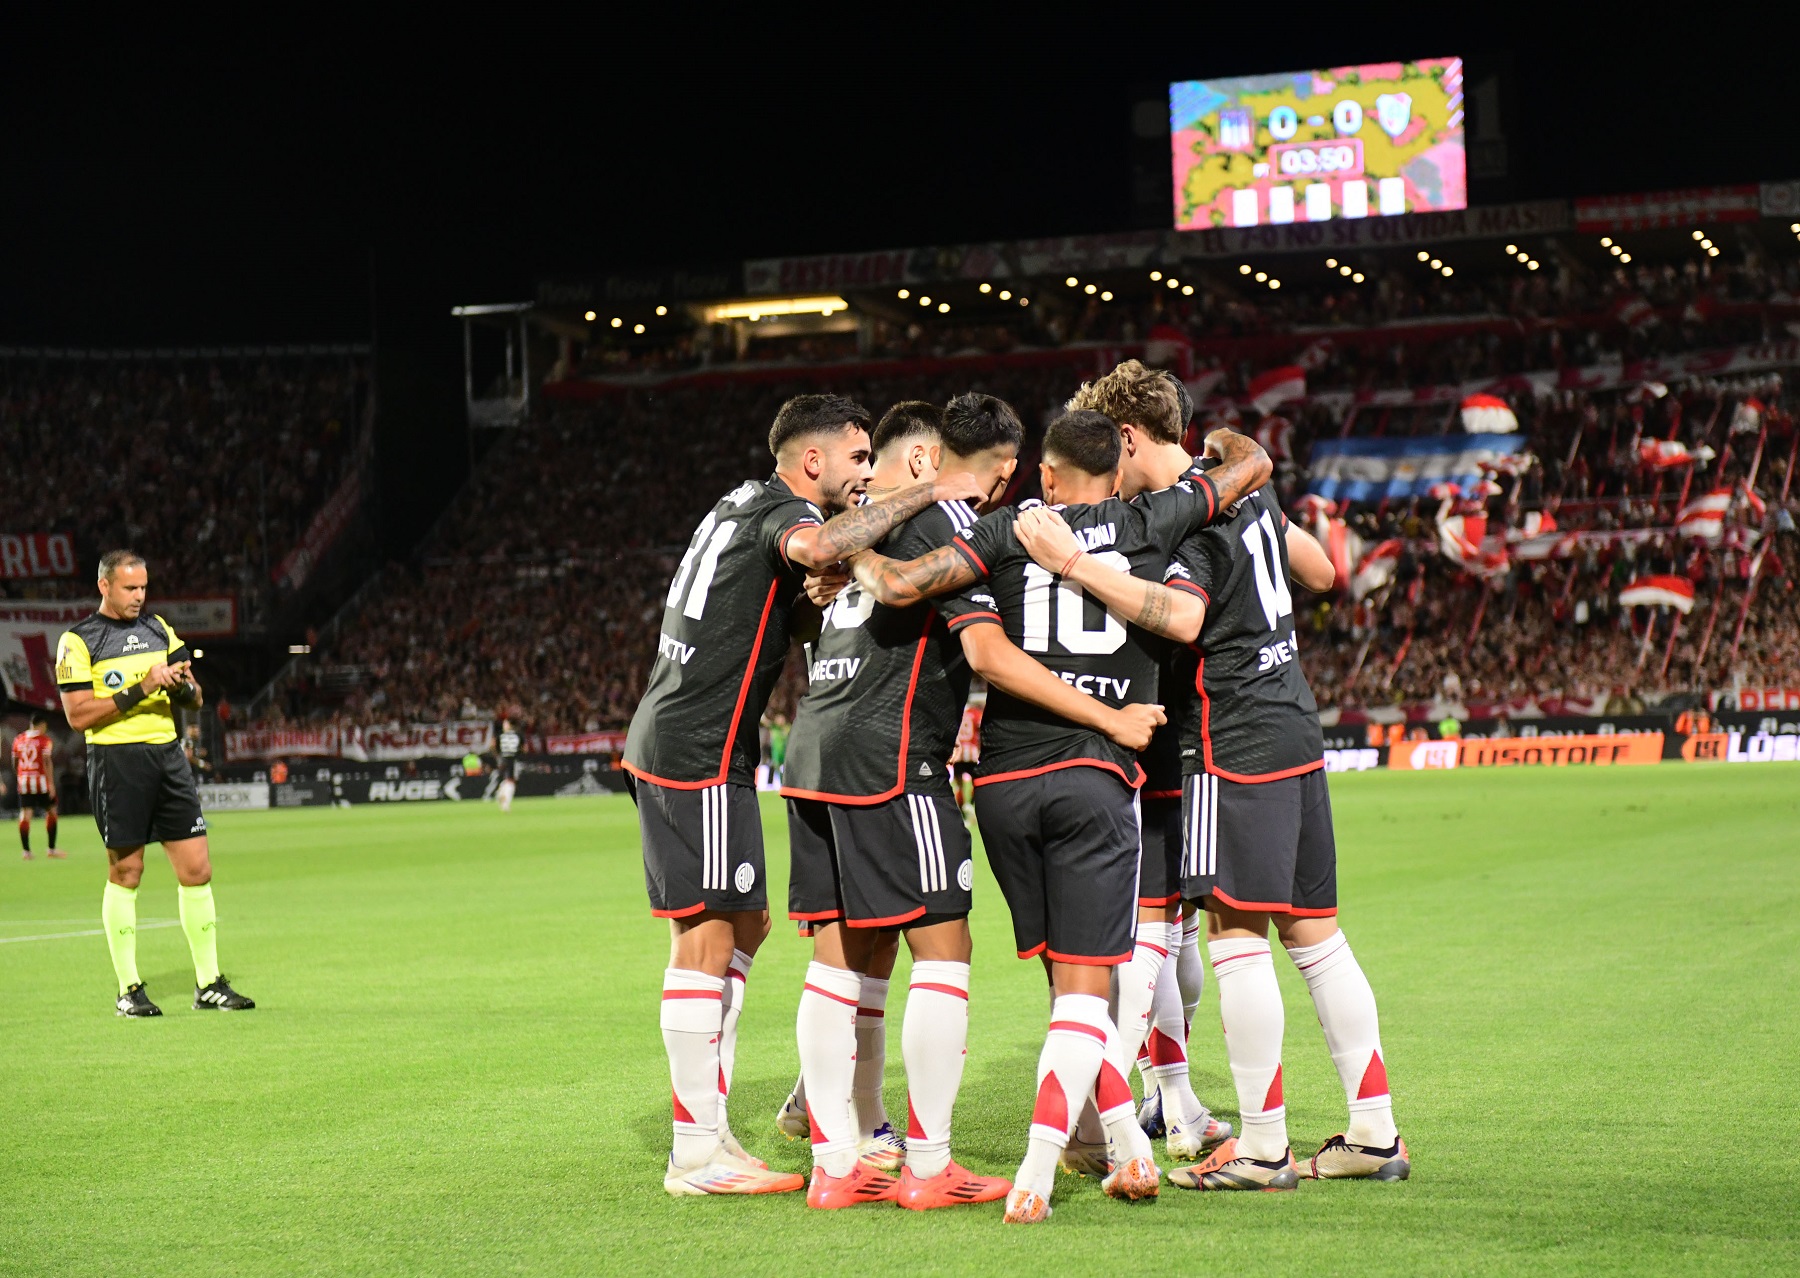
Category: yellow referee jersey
[108,655]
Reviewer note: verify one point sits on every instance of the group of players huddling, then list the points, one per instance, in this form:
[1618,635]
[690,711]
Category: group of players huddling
[1150,579]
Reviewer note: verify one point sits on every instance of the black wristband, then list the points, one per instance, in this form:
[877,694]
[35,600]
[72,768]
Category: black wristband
[124,701]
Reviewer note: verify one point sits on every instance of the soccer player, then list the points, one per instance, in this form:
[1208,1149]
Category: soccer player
[692,749]
[1056,802]
[34,777]
[877,839]
[122,672]
[508,765]
[966,755]
[1259,845]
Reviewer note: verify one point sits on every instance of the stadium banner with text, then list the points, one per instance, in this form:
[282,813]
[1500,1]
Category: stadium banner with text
[390,743]
[322,533]
[1507,752]
[587,743]
[429,781]
[28,637]
[281,743]
[1743,747]
[211,618]
[1685,210]
[1750,700]
[32,556]
[234,796]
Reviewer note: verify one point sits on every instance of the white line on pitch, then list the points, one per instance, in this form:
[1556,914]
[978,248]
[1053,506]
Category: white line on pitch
[98,931]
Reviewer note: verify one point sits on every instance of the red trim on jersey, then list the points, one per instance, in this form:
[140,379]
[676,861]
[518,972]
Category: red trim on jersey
[1272,907]
[781,546]
[1089,960]
[976,616]
[1178,584]
[1078,1027]
[835,998]
[678,914]
[762,628]
[826,916]
[1162,794]
[1033,952]
[1160,900]
[669,994]
[1067,763]
[1243,778]
[893,921]
[969,550]
[938,988]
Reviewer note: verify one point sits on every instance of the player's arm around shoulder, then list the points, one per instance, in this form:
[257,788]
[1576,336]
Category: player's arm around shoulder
[994,656]
[899,583]
[1308,563]
[861,527]
[1049,540]
[1244,466]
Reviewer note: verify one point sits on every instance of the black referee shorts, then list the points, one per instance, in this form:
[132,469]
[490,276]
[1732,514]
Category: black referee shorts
[1064,846]
[143,794]
[703,848]
[886,864]
[1266,846]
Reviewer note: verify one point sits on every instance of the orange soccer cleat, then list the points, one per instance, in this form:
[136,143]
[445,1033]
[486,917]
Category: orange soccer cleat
[863,1183]
[1026,1207]
[951,1187]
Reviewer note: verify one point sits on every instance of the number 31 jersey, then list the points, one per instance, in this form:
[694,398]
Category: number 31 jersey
[1080,641]
[1254,718]
[724,639]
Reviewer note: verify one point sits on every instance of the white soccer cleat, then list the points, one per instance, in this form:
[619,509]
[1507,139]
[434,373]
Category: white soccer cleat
[729,1144]
[791,1120]
[1191,1138]
[1087,1159]
[725,1175]
[886,1149]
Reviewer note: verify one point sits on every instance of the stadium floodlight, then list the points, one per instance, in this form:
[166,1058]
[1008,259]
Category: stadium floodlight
[1090,290]
[986,287]
[1437,263]
[1358,277]
[1424,256]
[1624,257]
[1106,296]
[1522,256]
[1071,281]
[299,649]
[1706,244]
[617,322]
[1343,270]
[924,301]
[1712,252]
[1331,261]
[943,308]
[1171,282]
[1187,290]
[1006,295]
[1606,241]
[1512,249]
[775,306]
[1531,266]
[1155,276]
[1448,272]
[1024,301]
[1274,283]
[1261,276]
[1244,269]
[1700,235]
[1792,226]
[903,294]
[637,328]
[589,316]
[1614,249]
[662,310]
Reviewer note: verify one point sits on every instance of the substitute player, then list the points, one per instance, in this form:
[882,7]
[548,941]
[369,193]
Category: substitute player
[1259,844]
[34,780]
[876,835]
[122,672]
[507,767]
[1057,804]
[692,749]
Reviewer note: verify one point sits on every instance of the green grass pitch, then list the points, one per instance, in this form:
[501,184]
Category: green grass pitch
[1587,980]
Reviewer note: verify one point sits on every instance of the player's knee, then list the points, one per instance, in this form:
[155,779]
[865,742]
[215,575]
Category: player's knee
[126,873]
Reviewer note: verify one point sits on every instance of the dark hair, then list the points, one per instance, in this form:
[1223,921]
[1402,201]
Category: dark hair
[38,716]
[906,419]
[814,415]
[1184,401]
[976,422]
[113,560]
[1087,440]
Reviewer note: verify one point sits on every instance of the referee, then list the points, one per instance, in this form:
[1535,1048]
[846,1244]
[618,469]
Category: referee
[121,672]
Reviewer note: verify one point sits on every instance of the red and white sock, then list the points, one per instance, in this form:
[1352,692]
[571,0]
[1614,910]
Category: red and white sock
[1070,1062]
[934,1042]
[737,982]
[1167,1052]
[871,1055]
[1346,1007]
[1135,983]
[1250,1007]
[1113,1099]
[1190,968]
[50,828]
[826,1028]
[691,1014]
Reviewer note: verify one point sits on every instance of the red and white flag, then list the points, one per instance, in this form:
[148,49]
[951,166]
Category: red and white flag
[1634,311]
[1375,569]
[1317,355]
[1659,590]
[1704,517]
[1666,454]
[1169,347]
[1277,386]
[1746,418]
[1645,392]
[1488,415]
[1276,435]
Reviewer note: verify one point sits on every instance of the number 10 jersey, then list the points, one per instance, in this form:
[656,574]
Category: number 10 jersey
[724,639]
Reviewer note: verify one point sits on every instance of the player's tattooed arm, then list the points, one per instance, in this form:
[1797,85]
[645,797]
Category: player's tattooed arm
[1246,467]
[900,582]
[1174,614]
[995,657]
[864,526]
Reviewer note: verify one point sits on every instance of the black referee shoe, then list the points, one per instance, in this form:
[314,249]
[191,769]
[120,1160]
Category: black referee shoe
[134,1002]
[219,996]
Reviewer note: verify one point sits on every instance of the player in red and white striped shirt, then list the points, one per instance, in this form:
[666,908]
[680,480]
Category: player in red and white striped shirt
[35,774]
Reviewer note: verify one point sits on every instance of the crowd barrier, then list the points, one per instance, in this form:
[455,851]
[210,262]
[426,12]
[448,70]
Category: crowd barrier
[317,784]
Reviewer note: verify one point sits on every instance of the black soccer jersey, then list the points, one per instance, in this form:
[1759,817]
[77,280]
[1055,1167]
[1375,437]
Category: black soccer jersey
[886,686]
[1254,718]
[509,744]
[724,639]
[1081,642]
[1175,689]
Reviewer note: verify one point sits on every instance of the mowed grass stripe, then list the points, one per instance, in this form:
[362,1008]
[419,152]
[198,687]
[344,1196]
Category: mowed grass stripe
[1586,982]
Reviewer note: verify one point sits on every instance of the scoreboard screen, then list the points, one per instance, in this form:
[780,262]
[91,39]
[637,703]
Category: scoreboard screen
[1309,146]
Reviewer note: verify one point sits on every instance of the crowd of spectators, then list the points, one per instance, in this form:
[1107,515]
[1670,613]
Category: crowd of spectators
[212,468]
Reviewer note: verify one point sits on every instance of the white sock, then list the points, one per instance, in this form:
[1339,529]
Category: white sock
[934,1041]
[799,1092]
[1067,1067]
[1190,969]
[737,981]
[1346,1007]
[1250,1007]
[1136,985]
[826,1028]
[506,794]
[871,1055]
[1167,1065]
[1112,1098]
[691,1014]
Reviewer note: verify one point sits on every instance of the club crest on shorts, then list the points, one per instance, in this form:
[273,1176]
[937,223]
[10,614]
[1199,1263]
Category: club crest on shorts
[965,875]
[745,878]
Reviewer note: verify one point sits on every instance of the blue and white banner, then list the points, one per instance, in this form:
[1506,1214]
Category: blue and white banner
[1381,469]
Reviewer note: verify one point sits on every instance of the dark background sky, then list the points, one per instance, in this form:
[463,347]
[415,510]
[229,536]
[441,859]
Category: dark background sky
[287,191]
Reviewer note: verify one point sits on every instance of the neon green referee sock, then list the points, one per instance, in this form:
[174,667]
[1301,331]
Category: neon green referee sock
[201,924]
[118,915]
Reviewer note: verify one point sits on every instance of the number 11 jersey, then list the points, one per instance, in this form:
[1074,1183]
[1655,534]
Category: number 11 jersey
[724,639]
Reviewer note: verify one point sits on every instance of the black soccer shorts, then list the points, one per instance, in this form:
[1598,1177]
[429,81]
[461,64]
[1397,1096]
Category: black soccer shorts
[143,793]
[1159,868]
[703,848]
[1065,847]
[884,865]
[1266,846]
